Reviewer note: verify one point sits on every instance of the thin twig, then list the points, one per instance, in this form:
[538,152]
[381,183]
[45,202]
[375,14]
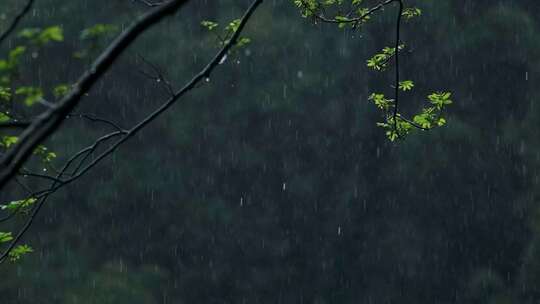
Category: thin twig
[159,75]
[203,74]
[41,176]
[49,121]
[94,118]
[355,20]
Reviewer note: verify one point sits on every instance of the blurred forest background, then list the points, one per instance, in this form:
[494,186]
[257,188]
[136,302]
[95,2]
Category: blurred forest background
[272,183]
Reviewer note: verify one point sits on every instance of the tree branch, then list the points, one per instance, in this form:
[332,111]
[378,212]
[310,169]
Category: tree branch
[16,21]
[93,118]
[355,20]
[43,195]
[199,77]
[49,121]
[203,74]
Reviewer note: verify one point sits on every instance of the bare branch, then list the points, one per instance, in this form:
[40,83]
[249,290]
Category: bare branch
[93,118]
[16,21]
[203,74]
[49,121]
[158,77]
[26,173]
[43,195]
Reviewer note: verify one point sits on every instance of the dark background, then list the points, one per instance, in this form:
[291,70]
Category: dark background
[272,183]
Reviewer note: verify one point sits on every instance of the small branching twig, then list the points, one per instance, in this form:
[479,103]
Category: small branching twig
[158,75]
[49,121]
[82,168]
[93,118]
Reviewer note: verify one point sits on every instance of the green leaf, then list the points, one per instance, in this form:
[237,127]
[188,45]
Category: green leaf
[440,99]
[52,33]
[381,101]
[379,61]
[20,205]
[5,237]
[209,25]
[29,33]
[4,117]
[363,11]
[3,65]
[14,55]
[16,253]
[423,120]
[242,42]
[392,135]
[8,141]
[5,93]
[60,90]
[233,26]
[98,30]
[411,12]
[406,85]
[441,122]
[32,94]
[46,156]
